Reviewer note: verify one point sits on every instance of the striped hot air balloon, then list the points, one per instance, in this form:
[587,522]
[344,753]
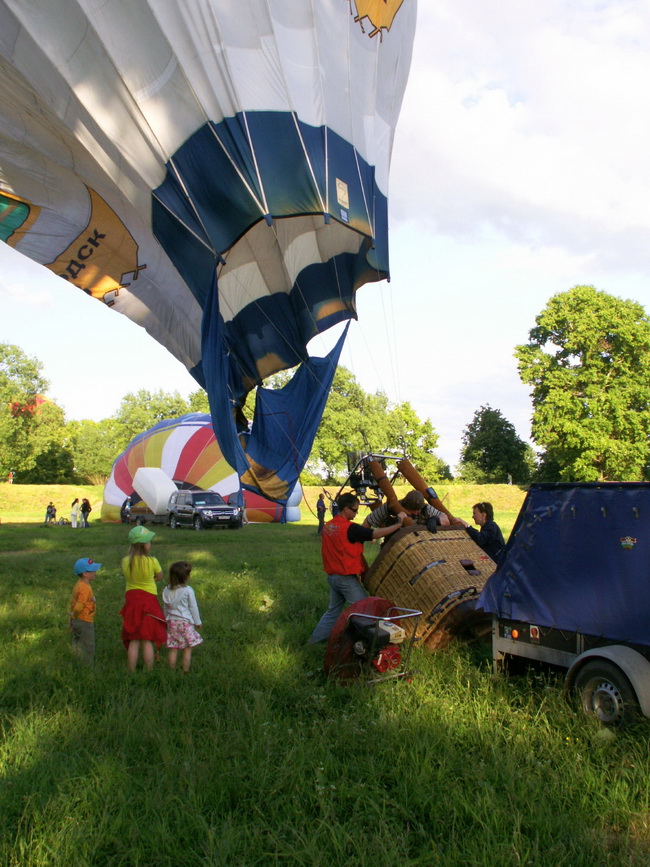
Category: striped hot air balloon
[186,451]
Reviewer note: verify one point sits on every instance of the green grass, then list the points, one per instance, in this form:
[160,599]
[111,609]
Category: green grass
[27,503]
[255,759]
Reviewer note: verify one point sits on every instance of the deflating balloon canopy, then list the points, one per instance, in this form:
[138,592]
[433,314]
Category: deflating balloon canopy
[216,171]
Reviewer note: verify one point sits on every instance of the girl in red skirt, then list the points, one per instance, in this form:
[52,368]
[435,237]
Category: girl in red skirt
[143,621]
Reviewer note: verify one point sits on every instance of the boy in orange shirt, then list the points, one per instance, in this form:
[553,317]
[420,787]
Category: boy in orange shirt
[82,611]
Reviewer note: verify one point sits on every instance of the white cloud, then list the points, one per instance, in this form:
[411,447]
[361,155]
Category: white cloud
[533,120]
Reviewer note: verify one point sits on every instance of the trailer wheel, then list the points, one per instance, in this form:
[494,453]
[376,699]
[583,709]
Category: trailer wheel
[606,692]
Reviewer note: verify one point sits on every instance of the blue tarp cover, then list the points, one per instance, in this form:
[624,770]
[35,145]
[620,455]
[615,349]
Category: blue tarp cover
[578,559]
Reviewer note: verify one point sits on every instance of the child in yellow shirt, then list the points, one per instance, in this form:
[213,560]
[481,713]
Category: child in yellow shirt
[82,611]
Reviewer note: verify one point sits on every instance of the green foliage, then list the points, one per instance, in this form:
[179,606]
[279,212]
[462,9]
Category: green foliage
[407,434]
[52,459]
[198,401]
[31,425]
[356,421]
[141,410]
[587,362]
[352,421]
[492,450]
[93,446]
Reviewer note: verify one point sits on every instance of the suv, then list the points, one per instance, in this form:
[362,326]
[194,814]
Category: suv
[201,509]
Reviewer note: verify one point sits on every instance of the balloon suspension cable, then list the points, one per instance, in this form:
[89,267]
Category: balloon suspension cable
[304,496]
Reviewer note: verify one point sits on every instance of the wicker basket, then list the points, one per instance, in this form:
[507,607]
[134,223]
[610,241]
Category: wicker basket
[441,574]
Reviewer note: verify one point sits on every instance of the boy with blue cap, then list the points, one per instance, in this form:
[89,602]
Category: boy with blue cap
[81,615]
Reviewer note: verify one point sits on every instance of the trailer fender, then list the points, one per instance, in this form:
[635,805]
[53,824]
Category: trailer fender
[634,666]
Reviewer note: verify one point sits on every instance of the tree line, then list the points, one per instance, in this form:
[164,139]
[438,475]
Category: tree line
[586,362]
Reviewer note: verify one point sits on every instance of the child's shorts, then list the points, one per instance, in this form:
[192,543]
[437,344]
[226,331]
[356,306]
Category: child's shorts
[181,634]
[83,640]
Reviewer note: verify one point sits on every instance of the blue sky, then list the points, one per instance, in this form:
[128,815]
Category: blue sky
[520,169]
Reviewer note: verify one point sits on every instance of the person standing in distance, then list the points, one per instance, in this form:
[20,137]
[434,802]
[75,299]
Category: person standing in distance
[321,509]
[342,551]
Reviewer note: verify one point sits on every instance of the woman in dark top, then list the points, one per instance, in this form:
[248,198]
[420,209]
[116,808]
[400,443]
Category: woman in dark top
[489,537]
[86,509]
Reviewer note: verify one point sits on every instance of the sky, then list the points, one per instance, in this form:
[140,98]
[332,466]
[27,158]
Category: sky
[520,169]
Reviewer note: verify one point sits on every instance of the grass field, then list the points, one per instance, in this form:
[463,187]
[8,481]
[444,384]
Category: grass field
[255,759]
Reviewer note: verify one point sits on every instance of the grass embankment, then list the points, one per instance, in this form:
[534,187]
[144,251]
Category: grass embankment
[254,759]
[26,503]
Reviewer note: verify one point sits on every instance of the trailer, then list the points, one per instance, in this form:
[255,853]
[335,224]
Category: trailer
[573,590]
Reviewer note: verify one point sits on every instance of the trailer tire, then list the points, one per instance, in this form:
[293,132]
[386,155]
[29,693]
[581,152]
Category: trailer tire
[140,521]
[606,692]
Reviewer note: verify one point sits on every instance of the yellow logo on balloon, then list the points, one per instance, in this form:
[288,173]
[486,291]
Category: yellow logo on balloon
[103,258]
[380,13]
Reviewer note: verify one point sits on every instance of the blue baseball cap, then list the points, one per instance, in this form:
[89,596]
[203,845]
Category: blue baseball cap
[86,565]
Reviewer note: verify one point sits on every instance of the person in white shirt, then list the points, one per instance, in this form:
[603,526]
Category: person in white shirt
[181,614]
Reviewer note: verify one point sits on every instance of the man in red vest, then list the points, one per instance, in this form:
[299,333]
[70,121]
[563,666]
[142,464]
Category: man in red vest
[343,560]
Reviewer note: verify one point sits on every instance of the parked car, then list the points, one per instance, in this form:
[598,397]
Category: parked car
[202,509]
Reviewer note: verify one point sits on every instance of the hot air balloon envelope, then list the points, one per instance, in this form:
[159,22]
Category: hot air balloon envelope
[217,172]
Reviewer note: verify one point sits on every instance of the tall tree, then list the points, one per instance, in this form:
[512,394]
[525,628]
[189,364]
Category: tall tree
[493,451]
[353,420]
[408,434]
[29,422]
[198,401]
[141,410]
[587,362]
[356,421]
[93,448]
[52,461]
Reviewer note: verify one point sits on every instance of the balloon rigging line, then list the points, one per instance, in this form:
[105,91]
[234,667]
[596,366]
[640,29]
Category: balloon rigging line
[308,161]
[264,203]
[371,221]
[189,198]
[391,342]
[326,204]
[238,171]
[396,374]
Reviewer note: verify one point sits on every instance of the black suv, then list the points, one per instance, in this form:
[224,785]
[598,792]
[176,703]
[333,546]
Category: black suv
[201,509]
